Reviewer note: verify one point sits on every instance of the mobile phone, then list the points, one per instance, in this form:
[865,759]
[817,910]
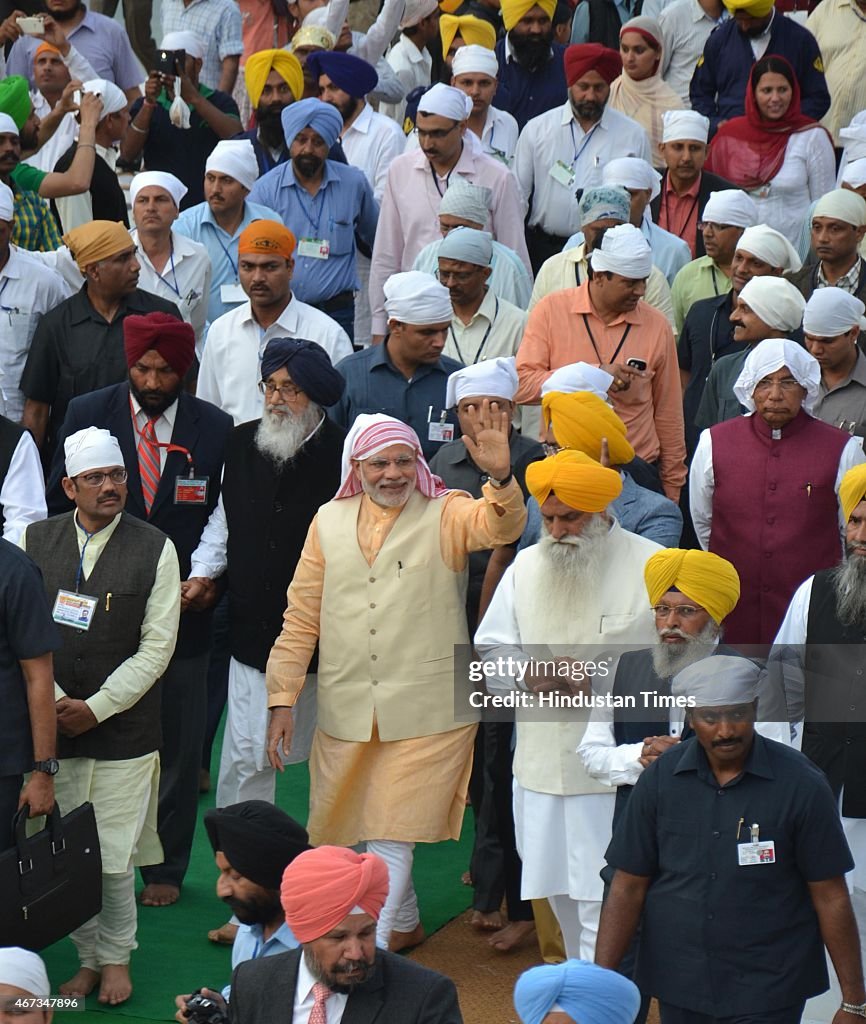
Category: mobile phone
[636,364]
[170,62]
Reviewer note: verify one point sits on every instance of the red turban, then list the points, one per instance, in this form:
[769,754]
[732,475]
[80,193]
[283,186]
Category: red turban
[172,338]
[583,57]
[323,886]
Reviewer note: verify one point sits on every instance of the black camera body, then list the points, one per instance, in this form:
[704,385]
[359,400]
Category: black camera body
[170,62]
[202,1010]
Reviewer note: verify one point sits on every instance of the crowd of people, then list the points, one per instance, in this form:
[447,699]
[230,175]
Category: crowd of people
[474,408]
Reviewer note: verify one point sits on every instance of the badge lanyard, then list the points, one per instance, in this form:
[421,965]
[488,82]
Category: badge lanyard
[314,224]
[447,176]
[595,347]
[715,283]
[174,287]
[160,444]
[7,309]
[232,263]
[688,215]
[578,153]
[483,340]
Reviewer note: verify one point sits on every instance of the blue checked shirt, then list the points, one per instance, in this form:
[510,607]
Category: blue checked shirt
[217,23]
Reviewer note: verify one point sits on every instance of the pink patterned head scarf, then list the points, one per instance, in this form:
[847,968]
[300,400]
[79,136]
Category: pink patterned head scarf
[371,434]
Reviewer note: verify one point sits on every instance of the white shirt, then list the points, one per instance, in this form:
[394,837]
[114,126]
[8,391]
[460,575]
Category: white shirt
[496,329]
[163,426]
[335,1005]
[231,365]
[686,27]
[499,138]
[22,491]
[761,42]
[556,138]
[412,66]
[370,143]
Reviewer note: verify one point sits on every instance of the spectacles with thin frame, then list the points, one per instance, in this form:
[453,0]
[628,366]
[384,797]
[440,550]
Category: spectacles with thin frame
[786,384]
[403,462]
[683,611]
[436,134]
[116,476]
[287,392]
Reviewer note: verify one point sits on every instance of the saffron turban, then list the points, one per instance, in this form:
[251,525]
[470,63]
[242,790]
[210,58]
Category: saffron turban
[309,366]
[586,992]
[446,101]
[259,66]
[467,201]
[731,206]
[842,204]
[475,60]
[580,421]
[514,10]
[579,377]
[257,839]
[831,312]
[609,202]
[771,246]
[583,57]
[172,338]
[351,74]
[491,378]
[624,251]
[852,489]
[113,99]
[707,579]
[7,202]
[15,99]
[96,241]
[771,355]
[91,448]
[467,246]
[632,172]
[266,237]
[576,479]
[321,887]
[776,301]
[372,433]
[189,42]
[853,173]
[414,297]
[45,48]
[161,179]
[754,8]
[324,119]
[718,681]
[685,125]
[25,970]
[472,30]
[237,159]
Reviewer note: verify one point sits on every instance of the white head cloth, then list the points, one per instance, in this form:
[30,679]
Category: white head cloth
[854,174]
[771,246]
[237,159]
[189,42]
[417,298]
[23,969]
[579,377]
[718,682]
[682,125]
[91,448]
[492,378]
[776,301]
[446,101]
[771,355]
[624,251]
[467,201]
[318,17]
[7,125]
[475,59]
[113,99]
[731,206]
[468,246]
[831,312]
[854,138]
[158,179]
[842,204]
[632,172]
[7,202]
[417,10]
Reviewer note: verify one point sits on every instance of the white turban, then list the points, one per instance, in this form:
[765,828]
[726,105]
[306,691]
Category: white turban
[417,298]
[831,312]
[624,251]
[771,246]
[91,448]
[718,682]
[467,201]
[854,137]
[113,99]
[7,202]
[468,246]
[25,970]
[492,378]
[680,125]
[160,179]
[776,301]
[842,204]
[189,42]
[417,10]
[7,125]
[237,159]
[579,377]
[446,101]
[731,206]
[475,59]
[771,355]
[854,173]
[632,172]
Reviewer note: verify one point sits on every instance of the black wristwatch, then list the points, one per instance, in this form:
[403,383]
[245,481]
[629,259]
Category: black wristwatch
[50,767]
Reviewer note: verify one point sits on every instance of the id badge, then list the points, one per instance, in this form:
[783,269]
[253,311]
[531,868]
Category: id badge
[232,293]
[440,431]
[190,490]
[75,610]
[756,853]
[761,193]
[562,174]
[315,248]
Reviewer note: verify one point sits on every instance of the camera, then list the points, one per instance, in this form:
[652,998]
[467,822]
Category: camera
[202,1010]
[170,62]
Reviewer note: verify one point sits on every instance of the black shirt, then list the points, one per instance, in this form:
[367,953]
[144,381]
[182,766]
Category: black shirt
[716,937]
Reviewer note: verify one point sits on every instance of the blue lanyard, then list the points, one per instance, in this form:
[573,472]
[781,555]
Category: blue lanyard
[234,265]
[586,139]
[7,309]
[174,287]
[309,213]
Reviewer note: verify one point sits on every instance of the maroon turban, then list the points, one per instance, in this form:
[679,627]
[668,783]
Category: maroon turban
[583,57]
[172,338]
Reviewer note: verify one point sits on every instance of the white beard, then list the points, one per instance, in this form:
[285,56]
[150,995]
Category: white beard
[279,437]
[575,564]
[849,582]
[669,659]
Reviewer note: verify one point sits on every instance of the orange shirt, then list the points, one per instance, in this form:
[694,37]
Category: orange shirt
[262,29]
[679,214]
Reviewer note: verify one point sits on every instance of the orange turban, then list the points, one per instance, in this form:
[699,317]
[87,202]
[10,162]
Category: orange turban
[97,240]
[268,238]
[580,421]
[576,479]
[705,578]
[323,886]
[45,48]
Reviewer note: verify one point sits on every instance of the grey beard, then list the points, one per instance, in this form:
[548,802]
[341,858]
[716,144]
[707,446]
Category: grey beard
[669,659]
[280,437]
[849,582]
[575,563]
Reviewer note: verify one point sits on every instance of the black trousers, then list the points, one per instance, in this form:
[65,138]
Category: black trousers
[542,246]
[10,790]
[676,1015]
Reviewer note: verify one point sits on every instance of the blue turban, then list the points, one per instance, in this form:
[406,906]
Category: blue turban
[346,71]
[308,365]
[586,992]
[324,119]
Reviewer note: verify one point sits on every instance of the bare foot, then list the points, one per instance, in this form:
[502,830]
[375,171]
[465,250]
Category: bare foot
[491,922]
[224,936]
[466,878]
[406,940]
[80,984]
[511,935]
[158,894]
[116,985]
[204,780]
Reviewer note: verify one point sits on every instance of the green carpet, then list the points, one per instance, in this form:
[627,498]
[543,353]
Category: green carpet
[174,954]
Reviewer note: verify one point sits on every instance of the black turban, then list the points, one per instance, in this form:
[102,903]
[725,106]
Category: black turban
[257,839]
[309,366]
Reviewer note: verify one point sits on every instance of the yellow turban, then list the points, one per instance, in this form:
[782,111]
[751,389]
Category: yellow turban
[513,10]
[852,490]
[96,241]
[755,8]
[449,6]
[471,29]
[575,479]
[705,578]
[581,419]
[261,64]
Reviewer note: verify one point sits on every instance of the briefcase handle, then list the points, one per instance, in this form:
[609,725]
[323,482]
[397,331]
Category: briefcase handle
[54,824]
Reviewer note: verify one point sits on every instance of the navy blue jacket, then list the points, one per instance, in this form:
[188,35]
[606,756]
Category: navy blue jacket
[527,94]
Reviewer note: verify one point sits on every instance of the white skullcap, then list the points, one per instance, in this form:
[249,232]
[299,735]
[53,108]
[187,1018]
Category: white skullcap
[113,99]
[317,17]
[467,201]
[624,251]
[718,682]
[579,377]
[831,312]
[492,378]
[842,204]
[417,298]
[679,125]
[237,159]
[7,202]
[854,137]
[7,125]
[776,301]
[632,172]
[854,173]
[160,179]
[468,246]
[731,206]
[91,448]
[771,355]
[25,970]
[771,246]
[475,59]
[417,10]
[446,101]
[189,42]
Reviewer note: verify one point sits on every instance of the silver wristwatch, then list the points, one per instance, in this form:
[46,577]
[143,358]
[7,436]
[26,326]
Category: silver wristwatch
[855,1009]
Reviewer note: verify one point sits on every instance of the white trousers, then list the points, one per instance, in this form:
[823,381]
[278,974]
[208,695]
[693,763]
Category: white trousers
[400,912]
[109,938]
[578,922]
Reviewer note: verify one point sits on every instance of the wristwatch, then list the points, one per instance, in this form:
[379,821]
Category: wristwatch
[50,767]
[855,1009]
[499,484]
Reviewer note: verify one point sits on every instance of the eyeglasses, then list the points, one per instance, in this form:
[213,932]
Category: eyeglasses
[711,225]
[403,462]
[786,384]
[285,391]
[435,133]
[684,611]
[460,276]
[116,476]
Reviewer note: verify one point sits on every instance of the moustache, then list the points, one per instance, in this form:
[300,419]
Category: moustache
[727,743]
[665,633]
[110,496]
